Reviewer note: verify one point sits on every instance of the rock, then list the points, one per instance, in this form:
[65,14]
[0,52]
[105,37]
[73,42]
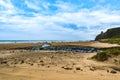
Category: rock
[41,61]
[48,66]
[22,61]
[31,64]
[113,71]
[27,61]
[42,64]
[92,69]
[115,68]
[67,68]
[108,71]
[74,63]
[115,60]
[4,62]
[78,68]
[52,57]
[62,67]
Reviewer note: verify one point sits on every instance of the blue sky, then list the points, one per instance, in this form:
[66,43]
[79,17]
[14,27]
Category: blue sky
[57,19]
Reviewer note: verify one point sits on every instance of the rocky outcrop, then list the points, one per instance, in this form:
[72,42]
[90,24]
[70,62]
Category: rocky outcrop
[110,33]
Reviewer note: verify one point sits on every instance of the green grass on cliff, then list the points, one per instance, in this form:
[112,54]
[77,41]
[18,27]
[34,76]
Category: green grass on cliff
[111,40]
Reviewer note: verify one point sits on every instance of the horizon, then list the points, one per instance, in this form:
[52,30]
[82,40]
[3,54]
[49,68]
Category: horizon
[39,41]
[57,19]
[47,40]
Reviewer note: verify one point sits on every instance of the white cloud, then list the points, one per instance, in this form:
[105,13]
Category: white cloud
[42,26]
[64,6]
[7,4]
[32,5]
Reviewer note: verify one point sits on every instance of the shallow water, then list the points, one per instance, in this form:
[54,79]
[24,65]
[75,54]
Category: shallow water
[32,41]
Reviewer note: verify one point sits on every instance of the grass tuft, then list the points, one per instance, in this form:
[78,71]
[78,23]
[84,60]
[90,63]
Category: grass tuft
[107,53]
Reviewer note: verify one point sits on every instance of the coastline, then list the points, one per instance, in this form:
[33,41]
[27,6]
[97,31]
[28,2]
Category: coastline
[93,44]
[35,41]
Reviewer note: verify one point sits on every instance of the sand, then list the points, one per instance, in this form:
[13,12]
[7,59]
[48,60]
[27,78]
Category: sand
[54,65]
[103,45]
[94,44]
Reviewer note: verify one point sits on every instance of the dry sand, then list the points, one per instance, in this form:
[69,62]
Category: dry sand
[102,45]
[54,65]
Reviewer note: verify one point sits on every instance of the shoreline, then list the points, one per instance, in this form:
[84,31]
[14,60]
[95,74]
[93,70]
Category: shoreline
[91,44]
[36,41]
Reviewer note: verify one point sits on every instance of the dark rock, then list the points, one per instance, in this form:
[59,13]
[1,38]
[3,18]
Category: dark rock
[92,68]
[108,71]
[41,61]
[67,48]
[42,64]
[48,66]
[3,62]
[115,68]
[68,68]
[113,71]
[31,64]
[22,61]
[78,68]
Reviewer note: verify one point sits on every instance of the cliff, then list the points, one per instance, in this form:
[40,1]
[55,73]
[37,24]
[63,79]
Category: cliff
[110,33]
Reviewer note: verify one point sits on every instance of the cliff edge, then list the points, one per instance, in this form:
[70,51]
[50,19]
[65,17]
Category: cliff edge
[110,33]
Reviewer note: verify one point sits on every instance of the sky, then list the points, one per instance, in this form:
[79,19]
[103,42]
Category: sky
[57,19]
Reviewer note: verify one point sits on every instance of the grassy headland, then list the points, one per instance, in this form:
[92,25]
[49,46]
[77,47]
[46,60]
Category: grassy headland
[111,40]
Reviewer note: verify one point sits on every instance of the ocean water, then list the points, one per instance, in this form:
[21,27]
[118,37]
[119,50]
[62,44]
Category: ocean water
[31,41]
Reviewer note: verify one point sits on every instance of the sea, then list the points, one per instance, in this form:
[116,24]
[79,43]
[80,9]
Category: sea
[33,41]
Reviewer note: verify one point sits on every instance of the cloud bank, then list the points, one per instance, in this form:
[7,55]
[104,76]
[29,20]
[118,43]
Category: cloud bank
[58,19]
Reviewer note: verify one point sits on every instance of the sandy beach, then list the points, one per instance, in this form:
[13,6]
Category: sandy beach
[59,39]
[20,64]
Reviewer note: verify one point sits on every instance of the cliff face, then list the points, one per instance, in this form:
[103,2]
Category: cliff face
[110,33]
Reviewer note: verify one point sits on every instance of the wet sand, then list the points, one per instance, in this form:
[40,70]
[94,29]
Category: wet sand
[94,44]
